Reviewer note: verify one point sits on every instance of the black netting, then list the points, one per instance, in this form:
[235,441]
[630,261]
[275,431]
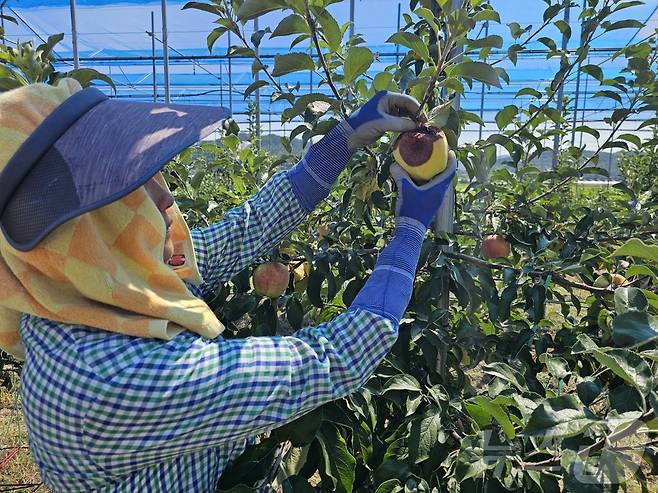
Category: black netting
[46,194]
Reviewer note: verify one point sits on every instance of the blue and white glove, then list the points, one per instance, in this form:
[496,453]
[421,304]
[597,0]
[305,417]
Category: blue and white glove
[313,177]
[386,111]
[389,288]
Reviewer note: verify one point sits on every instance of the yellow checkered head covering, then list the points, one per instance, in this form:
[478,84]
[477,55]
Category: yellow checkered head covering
[103,268]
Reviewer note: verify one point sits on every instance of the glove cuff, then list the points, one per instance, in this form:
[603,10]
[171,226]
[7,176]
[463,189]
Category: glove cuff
[312,177]
[390,285]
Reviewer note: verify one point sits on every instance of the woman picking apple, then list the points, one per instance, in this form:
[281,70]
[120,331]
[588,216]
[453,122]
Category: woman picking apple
[127,383]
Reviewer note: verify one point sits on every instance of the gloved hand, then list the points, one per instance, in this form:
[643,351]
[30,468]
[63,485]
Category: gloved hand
[389,288]
[312,178]
[386,111]
[421,202]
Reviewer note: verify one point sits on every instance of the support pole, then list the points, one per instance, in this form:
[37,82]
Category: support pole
[560,95]
[155,86]
[74,36]
[2,19]
[230,77]
[221,84]
[257,90]
[444,222]
[575,104]
[397,47]
[352,18]
[486,33]
[165,50]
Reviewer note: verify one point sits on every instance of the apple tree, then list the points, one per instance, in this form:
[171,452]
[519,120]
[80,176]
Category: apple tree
[524,372]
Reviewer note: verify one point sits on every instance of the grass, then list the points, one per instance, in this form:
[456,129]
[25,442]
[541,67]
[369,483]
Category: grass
[13,433]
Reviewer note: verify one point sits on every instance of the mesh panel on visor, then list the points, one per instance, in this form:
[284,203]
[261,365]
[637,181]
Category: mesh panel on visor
[28,213]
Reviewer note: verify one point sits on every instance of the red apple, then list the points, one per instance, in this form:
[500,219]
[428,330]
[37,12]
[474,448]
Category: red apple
[271,279]
[495,246]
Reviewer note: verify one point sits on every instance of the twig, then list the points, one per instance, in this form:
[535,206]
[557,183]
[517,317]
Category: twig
[440,67]
[615,437]
[240,34]
[314,33]
[556,276]
[581,167]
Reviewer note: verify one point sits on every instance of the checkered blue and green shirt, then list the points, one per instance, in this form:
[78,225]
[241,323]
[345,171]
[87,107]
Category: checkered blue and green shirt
[107,412]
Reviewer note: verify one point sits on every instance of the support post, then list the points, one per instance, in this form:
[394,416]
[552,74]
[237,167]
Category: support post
[230,77]
[444,222]
[2,19]
[257,90]
[155,86]
[397,47]
[560,95]
[575,104]
[352,18]
[165,50]
[221,84]
[74,36]
[486,33]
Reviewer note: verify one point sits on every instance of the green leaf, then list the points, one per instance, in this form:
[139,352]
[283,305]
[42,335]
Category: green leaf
[487,15]
[483,409]
[632,328]
[625,24]
[253,86]
[609,95]
[85,76]
[641,270]
[391,469]
[338,457]
[493,41]
[214,36]
[301,431]
[294,313]
[588,390]
[202,6]
[402,382]
[505,116]
[302,102]
[632,138]
[528,91]
[390,486]
[331,30]
[476,70]
[411,41]
[507,373]
[297,484]
[593,70]
[427,14]
[291,62]
[424,435]
[357,62]
[292,24]
[630,299]
[563,416]
[47,47]
[9,18]
[251,9]
[637,248]
[627,365]
[315,280]
[588,130]
[384,81]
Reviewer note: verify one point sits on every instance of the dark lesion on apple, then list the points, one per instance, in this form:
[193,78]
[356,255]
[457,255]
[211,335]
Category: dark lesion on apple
[416,146]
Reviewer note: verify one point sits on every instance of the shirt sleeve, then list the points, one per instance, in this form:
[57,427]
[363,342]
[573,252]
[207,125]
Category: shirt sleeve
[247,232]
[192,393]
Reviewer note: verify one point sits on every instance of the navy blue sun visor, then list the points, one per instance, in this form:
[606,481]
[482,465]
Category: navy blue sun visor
[89,152]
